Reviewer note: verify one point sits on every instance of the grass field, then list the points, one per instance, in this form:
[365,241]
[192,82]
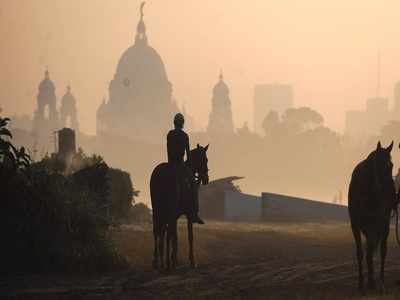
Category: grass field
[235,261]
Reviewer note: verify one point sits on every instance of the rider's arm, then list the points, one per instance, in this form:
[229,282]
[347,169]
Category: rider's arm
[169,147]
[187,147]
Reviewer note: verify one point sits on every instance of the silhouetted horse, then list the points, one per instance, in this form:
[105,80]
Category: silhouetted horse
[168,206]
[372,197]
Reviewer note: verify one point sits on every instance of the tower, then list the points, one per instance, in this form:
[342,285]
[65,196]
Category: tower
[68,111]
[220,120]
[46,119]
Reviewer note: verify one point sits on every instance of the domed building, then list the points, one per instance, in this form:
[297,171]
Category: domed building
[220,120]
[140,101]
[46,119]
[68,111]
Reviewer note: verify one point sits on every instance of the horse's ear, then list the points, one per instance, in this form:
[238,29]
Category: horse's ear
[198,146]
[206,147]
[379,146]
[390,147]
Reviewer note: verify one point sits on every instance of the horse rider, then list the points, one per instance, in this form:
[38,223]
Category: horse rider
[177,146]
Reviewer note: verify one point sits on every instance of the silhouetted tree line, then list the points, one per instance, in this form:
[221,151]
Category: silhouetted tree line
[297,155]
[53,220]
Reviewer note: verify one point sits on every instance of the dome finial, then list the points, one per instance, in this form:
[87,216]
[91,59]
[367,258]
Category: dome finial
[141,10]
[221,75]
[141,28]
[68,88]
[46,73]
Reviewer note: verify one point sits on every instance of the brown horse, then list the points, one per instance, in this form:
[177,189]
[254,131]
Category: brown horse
[168,206]
[372,198]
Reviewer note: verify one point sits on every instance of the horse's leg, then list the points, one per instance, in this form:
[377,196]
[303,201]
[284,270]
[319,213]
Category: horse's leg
[174,231]
[169,236]
[161,245]
[383,256]
[357,238]
[371,243]
[190,236]
[155,235]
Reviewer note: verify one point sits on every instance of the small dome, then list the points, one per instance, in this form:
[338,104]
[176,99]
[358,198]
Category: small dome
[221,87]
[68,99]
[46,84]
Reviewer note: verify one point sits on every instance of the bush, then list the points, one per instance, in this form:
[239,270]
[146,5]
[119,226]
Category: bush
[53,221]
[140,213]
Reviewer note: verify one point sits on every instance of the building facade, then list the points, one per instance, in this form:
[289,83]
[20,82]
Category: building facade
[369,122]
[68,111]
[140,102]
[46,118]
[220,119]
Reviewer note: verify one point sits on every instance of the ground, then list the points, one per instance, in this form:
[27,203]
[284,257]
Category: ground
[235,260]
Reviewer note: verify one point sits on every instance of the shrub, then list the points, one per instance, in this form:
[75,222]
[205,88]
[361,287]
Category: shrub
[53,221]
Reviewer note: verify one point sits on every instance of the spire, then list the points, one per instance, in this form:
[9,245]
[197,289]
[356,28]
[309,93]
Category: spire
[68,88]
[46,73]
[221,75]
[141,27]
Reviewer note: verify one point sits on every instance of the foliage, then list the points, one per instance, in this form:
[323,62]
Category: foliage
[10,156]
[53,221]
[140,213]
[302,118]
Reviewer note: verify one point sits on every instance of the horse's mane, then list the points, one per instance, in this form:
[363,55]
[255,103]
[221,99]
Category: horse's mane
[370,158]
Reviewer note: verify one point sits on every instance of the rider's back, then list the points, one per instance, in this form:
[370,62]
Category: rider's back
[177,142]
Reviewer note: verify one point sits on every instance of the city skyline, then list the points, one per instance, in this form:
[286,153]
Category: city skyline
[338,79]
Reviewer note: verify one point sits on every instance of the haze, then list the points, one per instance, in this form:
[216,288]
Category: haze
[326,49]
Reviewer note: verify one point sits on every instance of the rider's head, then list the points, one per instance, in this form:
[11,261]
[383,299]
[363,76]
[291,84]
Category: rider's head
[179,120]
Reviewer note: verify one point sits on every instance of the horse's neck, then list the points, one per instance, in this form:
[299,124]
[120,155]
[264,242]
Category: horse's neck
[189,166]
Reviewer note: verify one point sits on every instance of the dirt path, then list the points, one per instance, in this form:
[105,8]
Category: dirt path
[265,261]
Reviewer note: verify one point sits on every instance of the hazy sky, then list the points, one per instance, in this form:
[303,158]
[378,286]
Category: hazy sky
[326,49]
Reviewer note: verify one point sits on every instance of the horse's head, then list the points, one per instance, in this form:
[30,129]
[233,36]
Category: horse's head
[199,162]
[383,167]
[383,162]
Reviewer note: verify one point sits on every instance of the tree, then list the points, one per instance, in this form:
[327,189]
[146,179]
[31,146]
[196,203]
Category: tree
[271,123]
[298,120]
[10,155]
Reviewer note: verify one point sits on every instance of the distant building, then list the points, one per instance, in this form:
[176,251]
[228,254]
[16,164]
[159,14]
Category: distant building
[66,142]
[220,121]
[140,101]
[46,118]
[68,111]
[368,122]
[242,207]
[269,97]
